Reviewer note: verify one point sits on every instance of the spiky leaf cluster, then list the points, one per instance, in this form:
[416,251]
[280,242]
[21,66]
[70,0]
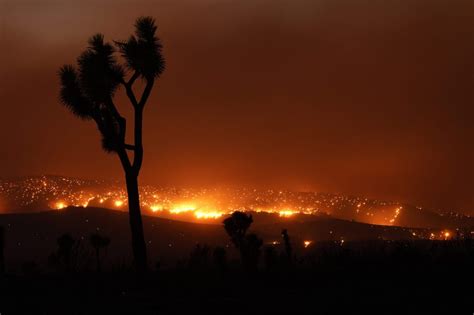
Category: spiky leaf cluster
[87,91]
[143,51]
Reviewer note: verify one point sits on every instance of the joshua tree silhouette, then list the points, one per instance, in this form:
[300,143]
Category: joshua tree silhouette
[88,93]
[236,227]
[98,242]
[249,245]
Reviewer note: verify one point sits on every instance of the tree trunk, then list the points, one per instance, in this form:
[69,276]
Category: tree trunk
[136,225]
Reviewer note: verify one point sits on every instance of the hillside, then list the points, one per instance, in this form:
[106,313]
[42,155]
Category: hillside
[32,236]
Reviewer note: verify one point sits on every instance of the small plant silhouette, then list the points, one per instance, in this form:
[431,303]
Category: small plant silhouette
[99,242]
[288,247]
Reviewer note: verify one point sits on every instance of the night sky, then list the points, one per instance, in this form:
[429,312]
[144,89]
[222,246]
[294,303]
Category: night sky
[361,97]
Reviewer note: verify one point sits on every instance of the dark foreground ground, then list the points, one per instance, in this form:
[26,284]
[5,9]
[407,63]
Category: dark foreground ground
[403,278]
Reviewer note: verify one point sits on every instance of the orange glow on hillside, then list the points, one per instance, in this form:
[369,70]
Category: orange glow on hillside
[156,208]
[60,205]
[208,214]
[286,213]
[180,208]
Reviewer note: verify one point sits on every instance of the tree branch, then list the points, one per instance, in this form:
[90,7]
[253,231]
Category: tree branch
[121,120]
[129,147]
[128,88]
[133,78]
[146,92]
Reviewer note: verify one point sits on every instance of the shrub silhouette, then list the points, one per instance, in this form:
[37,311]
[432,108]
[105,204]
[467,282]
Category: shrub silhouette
[99,242]
[88,93]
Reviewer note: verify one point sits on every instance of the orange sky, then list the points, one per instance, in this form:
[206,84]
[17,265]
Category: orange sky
[363,97]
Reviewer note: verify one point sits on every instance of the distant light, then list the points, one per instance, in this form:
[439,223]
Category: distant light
[446,235]
[286,213]
[307,243]
[155,208]
[60,205]
[207,215]
[183,208]
[118,203]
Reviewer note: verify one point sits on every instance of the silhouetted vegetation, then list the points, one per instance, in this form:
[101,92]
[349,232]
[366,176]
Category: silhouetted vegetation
[248,245]
[70,256]
[88,93]
[336,277]
[99,242]
[236,227]
[288,248]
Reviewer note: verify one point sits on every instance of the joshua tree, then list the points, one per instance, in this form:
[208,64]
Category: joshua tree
[98,242]
[249,245]
[236,226]
[88,93]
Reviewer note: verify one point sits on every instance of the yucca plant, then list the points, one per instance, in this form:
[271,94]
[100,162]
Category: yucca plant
[88,91]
